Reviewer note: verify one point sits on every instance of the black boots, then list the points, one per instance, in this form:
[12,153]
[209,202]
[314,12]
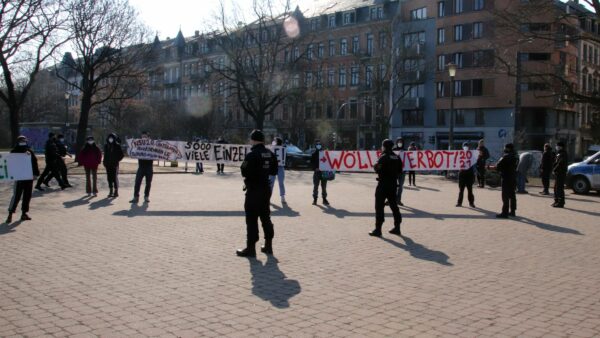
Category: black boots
[325,201]
[376,232]
[249,251]
[396,230]
[268,247]
[9,218]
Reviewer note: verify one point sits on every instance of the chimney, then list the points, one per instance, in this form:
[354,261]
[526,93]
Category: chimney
[197,33]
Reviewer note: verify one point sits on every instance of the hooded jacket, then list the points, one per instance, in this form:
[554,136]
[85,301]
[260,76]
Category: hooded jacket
[113,153]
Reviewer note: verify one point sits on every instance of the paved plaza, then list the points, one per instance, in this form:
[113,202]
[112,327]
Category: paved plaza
[98,267]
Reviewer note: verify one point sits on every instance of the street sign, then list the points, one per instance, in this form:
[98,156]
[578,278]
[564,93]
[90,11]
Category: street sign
[502,133]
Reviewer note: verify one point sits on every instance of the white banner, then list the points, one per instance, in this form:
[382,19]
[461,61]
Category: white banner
[15,167]
[422,160]
[184,151]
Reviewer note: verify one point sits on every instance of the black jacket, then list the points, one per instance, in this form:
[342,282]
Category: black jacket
[507,166]
[388,168]
[113,153]
[484,152]
[314,159]
[259,164]
[561,165]
[51,151]
[34,163]
[62,149]
[547,162]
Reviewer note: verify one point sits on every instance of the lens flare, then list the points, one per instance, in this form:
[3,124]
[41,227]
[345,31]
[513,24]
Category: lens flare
[291,27]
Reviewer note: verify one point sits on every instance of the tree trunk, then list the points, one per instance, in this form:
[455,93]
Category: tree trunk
[14,112]
[86,106]
[259,121]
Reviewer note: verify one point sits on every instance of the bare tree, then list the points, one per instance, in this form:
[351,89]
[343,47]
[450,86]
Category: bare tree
[110,47]
[28,38]
[260,58]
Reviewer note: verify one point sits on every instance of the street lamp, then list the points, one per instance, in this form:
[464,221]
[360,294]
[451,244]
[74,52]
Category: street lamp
[452,73]
[67,96]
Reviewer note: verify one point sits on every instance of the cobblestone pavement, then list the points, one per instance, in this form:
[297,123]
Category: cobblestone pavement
[98,267]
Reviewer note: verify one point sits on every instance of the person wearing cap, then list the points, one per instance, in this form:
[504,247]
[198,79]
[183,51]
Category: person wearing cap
[90,158]
[388,167]
[22,189]
[260,163]
[280,177]
[145,170]
[507,166]
[466,179]
[484,155]
[402,177]
[412,175]
[546,168]
[113,154]
[317,177]
[560,169]
[51,155]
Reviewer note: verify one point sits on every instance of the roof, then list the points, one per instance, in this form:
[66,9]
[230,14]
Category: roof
[324,7]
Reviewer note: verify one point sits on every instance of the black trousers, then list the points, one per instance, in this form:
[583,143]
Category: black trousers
[546,181]
[143,172]
[220,167]
[385,193]
[51,169]
[91,180]
[559,189]
[22,189]
[112,176]
[62,169]
[316,181]
[481,177]
[412,175]
[509,196]
[257,205]
[465,182]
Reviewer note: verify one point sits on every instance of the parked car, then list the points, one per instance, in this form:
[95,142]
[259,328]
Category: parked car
[296,158]
[585,176]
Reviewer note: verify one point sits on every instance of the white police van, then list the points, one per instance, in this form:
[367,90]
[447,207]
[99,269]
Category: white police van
[585,176]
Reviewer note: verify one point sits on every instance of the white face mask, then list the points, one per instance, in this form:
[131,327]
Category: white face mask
[111,140]
[465,148]
[400,145]
[274,143]
[318,146]
[90,142]
[61,140]
[558,148]
[22,144]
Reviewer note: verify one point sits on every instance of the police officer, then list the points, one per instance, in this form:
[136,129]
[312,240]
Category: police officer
[23,189]
[388,168]
[466,178]
[399,148]
[546,168]
[560,169]
[62,167]
[507,166]
[51,156]
[257,167]
[145,170]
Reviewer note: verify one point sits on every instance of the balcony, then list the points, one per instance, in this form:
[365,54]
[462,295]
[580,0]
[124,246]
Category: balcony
[417,49]
[412,103]
[414,76]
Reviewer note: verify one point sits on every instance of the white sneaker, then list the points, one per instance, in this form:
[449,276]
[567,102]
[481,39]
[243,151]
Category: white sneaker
[283,200]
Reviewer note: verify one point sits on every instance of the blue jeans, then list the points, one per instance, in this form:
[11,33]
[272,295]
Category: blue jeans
[401,178]
[521,182]
[281,178]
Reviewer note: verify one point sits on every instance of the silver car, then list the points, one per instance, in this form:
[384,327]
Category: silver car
[585,176]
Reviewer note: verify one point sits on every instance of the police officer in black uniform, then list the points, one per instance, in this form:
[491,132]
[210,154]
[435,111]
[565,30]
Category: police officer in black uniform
[52,168]
[507,166]
[560,169]
[23,189]
[388,168]
[258,165]
[63,152]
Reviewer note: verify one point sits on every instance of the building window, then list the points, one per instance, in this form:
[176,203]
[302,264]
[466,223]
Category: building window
[382,40]
[478,5]
[412,117]
[369,44]
[441,62]
[353,108]
[308,79]
[349,18]
[458,6]
[341,112]
[321,50]
[318,111]
[441,9]
[380,13]
[459,117]
[479,117]
[319,79]
[296,53]
[458,33]
[314,24]
[343,47]
[418,14]
[441,89]
[369,76]
[355,44]
[441,117]
[477,30]
[308,108]
[441,36]
[342,77]
[376,13]
[354,76]
[309,52]
[413,90]
[331,78]
[477,87]
[458,59]
[329,110]
[331,21]
[296,81]
[458,84]
[411,39]
[331,48]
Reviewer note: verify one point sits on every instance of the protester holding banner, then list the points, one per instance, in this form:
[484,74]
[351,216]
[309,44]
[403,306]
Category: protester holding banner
[388,168]
[145,170]
[90,158]
[400,147]
[257,167]
[412,175]
[507,166]
[466,178]
[221,165]
[280,170]
[51,157]
[23,189]
[113,154]
[484,155]
[317,175]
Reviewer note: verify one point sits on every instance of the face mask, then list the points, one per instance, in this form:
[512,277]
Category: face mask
[61,140]
[111,140]
[465,148]
[90,142]
[273,143]
[318,146]
[22,144]
[558,148]
[400,145]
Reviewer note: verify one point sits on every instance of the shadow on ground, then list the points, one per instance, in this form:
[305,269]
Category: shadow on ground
[420,251]
[269,282]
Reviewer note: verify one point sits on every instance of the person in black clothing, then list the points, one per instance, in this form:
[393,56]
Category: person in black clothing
[507,166]
[412,175]
[388,168]
[221,166]
[466,178]
[52,168]
[145,170]
[258,166]
[484,155]
[398,148]
[113,154]
[23,189]
[546,168]
[560,169]
[62,167]
[317,178]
